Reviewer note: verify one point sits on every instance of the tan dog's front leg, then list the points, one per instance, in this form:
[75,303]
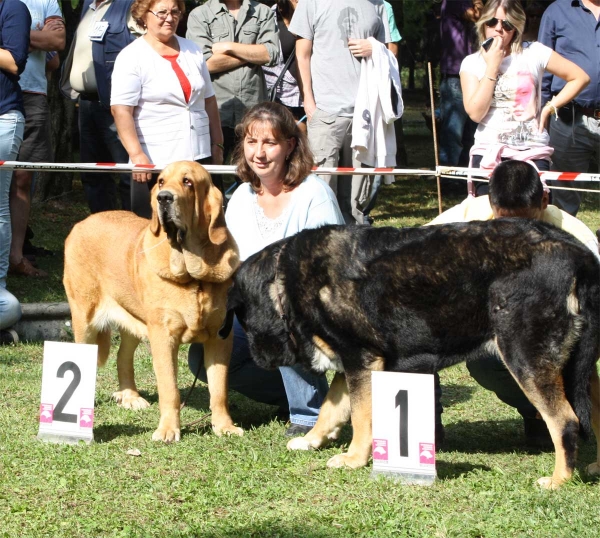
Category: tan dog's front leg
[334,413]
[594,468]
[164,359]
[359,451]
[217,354]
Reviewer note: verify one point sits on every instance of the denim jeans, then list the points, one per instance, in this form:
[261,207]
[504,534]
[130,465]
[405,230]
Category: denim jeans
[12,125]
[99,143]
[292,388]
[574,146]
[10,309]
[456,128]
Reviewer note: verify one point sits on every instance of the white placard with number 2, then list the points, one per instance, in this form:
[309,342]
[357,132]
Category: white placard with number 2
[68,392]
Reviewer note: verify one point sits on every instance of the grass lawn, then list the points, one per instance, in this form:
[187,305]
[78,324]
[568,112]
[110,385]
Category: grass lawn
[252,486]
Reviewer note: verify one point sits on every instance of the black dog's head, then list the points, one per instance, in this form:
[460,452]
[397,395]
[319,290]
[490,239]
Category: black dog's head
[253,300]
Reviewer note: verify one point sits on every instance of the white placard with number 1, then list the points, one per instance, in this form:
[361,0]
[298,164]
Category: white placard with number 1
[404,426]
[68,392]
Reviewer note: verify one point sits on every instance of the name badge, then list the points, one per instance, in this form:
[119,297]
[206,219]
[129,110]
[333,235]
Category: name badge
[97,31]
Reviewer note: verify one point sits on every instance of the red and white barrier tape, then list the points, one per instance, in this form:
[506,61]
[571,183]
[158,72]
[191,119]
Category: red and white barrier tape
[213,169]
[457,172]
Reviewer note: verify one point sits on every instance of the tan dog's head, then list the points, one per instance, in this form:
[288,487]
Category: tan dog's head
[184,197]
[189,209]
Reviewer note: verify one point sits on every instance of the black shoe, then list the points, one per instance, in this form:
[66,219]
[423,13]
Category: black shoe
[8,336]
[537,434]
[295,430]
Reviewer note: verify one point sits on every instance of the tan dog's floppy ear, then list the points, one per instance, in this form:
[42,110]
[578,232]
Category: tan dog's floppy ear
[154,222]
[213,214]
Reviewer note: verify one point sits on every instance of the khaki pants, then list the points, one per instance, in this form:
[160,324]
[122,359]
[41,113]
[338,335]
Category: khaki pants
[330,137]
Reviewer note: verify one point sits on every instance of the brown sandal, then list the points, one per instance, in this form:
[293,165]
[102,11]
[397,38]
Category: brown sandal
[25,268]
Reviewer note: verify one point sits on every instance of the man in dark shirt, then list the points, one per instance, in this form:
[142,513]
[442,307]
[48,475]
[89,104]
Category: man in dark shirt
[572,29]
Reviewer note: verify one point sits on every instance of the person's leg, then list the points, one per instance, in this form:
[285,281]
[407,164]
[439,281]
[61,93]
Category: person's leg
[10,309]
[140,198]
[574,146]
[99,188]
[305,392]
[453,118]
[36,147]
[325,142]
[117,152]
[245,376]
[11,135]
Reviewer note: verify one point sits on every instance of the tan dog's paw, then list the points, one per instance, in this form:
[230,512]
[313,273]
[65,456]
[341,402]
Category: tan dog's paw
[130,399]
[344,460]
[232,429]
[168,435]
[593,468]
[546,482]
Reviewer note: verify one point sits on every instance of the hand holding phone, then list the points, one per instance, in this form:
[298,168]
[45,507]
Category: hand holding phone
[487,43]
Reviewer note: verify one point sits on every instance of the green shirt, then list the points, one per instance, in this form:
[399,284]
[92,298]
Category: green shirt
[243,87]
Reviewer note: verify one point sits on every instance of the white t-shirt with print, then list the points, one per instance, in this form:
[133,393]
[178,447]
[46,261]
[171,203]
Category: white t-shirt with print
[512,118]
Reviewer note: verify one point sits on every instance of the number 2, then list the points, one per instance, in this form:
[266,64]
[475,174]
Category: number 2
[402,402]
[64,399]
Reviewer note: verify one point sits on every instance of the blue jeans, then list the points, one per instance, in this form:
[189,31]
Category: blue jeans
[456,128]
[99,143]
[292,388]
[574,146]
[10,309]
[12,125]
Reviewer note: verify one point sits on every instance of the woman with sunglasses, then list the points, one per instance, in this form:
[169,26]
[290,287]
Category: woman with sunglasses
[501,86]
[162,98]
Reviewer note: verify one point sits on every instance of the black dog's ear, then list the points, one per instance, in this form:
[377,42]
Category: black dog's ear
[234,300]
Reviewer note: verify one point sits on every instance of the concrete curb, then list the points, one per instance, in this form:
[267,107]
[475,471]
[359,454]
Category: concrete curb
[44,321]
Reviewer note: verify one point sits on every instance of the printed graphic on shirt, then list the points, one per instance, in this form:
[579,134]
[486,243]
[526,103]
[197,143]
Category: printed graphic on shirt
[348,25]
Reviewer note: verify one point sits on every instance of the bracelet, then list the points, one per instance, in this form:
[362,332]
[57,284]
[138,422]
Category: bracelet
[218,145]
[492,79]
[554,109]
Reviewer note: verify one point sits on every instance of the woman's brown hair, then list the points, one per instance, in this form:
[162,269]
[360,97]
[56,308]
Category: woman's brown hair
[284,126]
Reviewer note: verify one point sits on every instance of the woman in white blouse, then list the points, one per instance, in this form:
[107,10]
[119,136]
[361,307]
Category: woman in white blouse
[162,98]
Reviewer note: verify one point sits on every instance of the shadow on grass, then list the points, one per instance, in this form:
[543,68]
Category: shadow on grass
[109,432]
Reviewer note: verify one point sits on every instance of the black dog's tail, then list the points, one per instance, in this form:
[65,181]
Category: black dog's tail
[586,351]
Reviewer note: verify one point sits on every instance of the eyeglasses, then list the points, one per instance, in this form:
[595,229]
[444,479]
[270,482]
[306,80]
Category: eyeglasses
[506,26]
[162,15]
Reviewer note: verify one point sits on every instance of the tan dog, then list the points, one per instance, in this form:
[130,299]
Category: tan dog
[164,279]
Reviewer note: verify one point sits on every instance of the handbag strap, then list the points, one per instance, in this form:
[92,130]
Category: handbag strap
[285,67]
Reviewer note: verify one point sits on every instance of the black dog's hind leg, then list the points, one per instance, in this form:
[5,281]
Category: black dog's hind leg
[594,468]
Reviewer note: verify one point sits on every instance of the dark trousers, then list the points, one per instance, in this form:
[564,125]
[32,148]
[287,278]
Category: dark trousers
[99,143]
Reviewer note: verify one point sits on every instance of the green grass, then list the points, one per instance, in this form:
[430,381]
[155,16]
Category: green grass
[252,486]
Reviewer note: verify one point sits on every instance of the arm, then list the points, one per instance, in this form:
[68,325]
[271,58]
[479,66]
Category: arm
[546,36]
[303,54]
[123,116]
[218,63]
[214,126]
[576,79]
[478,94]
[7,62]
[393,48]
[51,37]
[15,40]
[253,54]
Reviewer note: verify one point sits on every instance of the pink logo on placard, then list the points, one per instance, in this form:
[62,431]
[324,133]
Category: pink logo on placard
[426,453]
[46,413]
[86,417]
[380,449]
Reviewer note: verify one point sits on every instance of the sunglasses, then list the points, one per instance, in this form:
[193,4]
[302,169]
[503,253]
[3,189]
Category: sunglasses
[506,26]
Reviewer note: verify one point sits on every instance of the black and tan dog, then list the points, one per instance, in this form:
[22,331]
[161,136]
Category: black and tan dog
[165,279]
[357,299]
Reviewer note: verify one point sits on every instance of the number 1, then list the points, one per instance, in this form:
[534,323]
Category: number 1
[402,402]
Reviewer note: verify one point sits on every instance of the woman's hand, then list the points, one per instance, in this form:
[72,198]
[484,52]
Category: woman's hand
[548,111]
[141,158]
[493,56]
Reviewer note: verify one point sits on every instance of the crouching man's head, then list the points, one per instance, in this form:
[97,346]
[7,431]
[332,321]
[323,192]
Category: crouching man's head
[517,191]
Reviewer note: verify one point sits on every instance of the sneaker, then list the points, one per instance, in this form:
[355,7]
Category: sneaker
[295,430]
[537,434]
[8,336]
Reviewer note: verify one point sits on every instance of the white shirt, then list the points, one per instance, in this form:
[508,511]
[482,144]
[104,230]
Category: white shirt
[168,128]
[311,205]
